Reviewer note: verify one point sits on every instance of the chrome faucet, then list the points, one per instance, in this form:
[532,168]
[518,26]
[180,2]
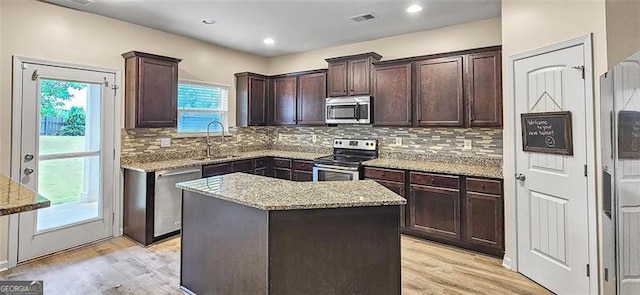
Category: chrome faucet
[209,145]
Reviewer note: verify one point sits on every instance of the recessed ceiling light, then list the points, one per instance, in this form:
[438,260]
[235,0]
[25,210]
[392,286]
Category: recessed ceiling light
[268,41]
[414,8]
[208,21]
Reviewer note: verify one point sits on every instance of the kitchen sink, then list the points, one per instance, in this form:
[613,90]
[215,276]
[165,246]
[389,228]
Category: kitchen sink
[215,158]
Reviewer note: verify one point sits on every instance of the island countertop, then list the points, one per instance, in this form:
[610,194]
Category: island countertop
[276,194]
[17,198]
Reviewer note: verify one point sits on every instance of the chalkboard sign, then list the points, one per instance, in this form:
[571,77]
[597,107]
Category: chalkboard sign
[629,135]
[548,133]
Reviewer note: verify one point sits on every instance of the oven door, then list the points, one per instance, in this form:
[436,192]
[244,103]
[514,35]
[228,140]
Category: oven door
[335,173]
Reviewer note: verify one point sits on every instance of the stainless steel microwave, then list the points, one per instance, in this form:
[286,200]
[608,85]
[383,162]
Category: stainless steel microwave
[348,110]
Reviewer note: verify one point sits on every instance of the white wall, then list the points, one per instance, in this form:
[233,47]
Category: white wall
[623,33]
[36,29]
[464,36]
[530,24]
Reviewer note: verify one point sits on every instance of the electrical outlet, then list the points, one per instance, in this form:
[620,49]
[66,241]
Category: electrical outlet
[398,140]
[467,144]
[165,142]
[314,138]
[279,136]
[238,137]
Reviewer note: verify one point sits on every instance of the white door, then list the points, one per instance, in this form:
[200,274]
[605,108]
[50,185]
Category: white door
[552,211]
[67,157]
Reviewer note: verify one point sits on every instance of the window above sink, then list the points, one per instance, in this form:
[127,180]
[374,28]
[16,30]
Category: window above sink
[200,103]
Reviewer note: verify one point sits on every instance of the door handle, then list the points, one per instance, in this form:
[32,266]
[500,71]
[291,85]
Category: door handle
[520,177]
[28,170]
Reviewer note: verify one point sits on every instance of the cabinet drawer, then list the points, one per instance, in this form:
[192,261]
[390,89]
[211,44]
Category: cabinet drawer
[435,180]
[242,166]
[301,165]
[282,173]
[216,169]
[261,162]
[280,162]
[384,174]
[484,186]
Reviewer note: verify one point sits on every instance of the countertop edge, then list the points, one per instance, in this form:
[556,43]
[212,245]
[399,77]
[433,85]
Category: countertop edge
[24,208]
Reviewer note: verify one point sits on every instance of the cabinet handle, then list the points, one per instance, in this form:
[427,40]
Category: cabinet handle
[482,186]
[433,180]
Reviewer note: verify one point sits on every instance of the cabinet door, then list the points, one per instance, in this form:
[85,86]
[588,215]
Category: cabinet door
[284,101]
[392,95]
[157,93]
[359,77]
[257,101]
[337,77]
[439,92]
[282,173]
[485,220]
[398,188]
[311,96]
[302,176]
[435,211]
[484,89]
[260,171]
[216,169]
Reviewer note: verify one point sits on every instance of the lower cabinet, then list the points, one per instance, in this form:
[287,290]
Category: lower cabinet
[394,180]
[435,211]
[467,212]
[302,170]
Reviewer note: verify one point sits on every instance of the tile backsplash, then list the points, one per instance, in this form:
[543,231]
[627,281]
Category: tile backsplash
[485,142]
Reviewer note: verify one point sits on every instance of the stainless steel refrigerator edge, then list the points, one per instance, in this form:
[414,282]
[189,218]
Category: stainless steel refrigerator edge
[620,184]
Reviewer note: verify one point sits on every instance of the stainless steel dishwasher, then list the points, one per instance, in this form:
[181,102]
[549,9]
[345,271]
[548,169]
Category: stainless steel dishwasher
[168,198]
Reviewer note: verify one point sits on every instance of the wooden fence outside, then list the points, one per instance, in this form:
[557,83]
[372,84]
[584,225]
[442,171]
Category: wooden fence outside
[51,125]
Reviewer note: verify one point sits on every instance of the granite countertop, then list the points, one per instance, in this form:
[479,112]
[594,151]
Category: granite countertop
[183,163]
[16,198]
[267,193]
[489,171]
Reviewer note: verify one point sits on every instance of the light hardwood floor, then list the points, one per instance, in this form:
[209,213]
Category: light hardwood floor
[119,266]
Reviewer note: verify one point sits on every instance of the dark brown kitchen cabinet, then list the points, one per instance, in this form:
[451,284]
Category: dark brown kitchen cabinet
[302,170]
[394,180]
[283,103]
[337,78]
[351,75]
[262,166]
[484,213]
[392,95]
[151,90]
[440,92]
[312,91]
[484,89]
[216,169]
[245,166]
[251,99]
[281,168]
[435,211]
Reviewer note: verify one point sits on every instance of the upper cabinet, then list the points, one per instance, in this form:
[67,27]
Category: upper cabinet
[251,99]
[392,95]
[287,99]
[284,100]
[459,89]
[151,90]
[311,97]
[484,89]
[439,92]
[351,75]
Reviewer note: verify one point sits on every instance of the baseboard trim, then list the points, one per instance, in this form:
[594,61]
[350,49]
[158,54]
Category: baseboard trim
[4,265]
[506,262]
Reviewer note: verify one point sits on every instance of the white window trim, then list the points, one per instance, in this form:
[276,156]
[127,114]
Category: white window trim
[204,134]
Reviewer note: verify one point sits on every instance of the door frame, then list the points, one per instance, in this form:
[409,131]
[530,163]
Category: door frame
[587,42]
[16,134]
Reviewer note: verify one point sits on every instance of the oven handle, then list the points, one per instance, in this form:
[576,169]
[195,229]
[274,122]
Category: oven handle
[335,168]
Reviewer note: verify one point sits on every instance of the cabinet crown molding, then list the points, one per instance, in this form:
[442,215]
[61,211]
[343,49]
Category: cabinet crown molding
[134,53]
[355,56]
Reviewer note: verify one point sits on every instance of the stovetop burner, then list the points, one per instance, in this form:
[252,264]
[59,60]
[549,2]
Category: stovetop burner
[350,152]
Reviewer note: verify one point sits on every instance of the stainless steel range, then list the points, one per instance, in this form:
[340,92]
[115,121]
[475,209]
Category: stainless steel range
[346,161]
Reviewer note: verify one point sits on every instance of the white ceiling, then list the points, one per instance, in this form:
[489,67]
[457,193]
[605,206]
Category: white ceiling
[295,25]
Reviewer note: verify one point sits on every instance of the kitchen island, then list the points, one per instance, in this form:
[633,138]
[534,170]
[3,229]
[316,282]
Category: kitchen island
[249,234]
[17,198]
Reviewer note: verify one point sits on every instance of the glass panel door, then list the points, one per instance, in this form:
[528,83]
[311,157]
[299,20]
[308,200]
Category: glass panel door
[67,138]
[69,152]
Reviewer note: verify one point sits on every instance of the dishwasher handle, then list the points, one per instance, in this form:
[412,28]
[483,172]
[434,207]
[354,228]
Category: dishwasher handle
[178,173]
